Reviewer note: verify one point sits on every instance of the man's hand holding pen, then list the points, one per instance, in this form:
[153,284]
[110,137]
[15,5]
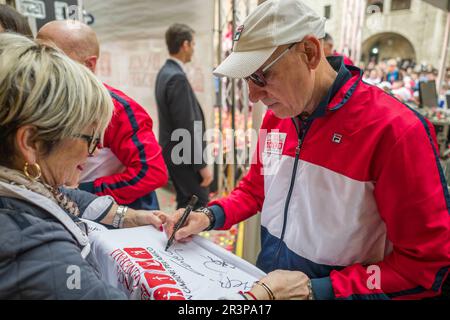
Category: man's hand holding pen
[279,284]
[195,223]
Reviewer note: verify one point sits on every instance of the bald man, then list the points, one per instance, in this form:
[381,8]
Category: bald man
[129,166]
[328,45]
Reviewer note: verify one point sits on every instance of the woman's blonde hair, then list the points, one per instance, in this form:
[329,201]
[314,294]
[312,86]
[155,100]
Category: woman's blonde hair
[40,86]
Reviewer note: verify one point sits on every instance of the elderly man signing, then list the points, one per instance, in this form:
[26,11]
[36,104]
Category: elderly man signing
[53,114]
[353,200]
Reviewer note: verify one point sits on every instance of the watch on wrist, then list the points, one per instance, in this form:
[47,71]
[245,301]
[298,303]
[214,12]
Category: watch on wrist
[119,217]
[211,217]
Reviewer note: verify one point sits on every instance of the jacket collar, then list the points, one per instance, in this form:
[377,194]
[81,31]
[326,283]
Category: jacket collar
[348,78]
[347,87]
[178,63]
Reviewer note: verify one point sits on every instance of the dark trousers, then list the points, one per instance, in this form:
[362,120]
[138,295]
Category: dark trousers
[187,183]
[148,202]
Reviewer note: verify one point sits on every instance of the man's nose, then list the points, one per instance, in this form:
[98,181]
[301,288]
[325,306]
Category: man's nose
[256,93]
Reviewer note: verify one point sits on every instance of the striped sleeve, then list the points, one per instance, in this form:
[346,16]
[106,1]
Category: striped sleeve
[130,137]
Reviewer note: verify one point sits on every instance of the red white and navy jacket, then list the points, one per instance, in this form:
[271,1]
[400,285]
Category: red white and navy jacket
[356,184]
[129,166]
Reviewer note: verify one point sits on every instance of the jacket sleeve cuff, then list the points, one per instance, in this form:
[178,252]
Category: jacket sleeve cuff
[322,289]
[219,214]
[98,209]
[87,186]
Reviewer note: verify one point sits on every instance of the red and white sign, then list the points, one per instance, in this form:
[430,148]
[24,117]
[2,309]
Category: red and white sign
[155,279]
[151,265]
[134,260]
[138,253]
[275,143]
[168,294]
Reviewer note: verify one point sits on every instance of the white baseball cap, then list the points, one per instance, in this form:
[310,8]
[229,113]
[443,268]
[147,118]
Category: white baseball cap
[272,24]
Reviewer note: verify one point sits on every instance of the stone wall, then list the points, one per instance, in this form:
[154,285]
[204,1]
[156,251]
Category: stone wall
[422,25]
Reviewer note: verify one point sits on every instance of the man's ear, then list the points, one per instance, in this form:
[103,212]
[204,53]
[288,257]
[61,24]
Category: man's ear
[313,51]
[26,145]
[91,63]
[186,45]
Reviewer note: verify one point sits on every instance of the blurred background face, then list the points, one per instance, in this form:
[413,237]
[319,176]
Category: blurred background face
[373,74]
[397,85]
[1,28]
[289,84]
[392,65]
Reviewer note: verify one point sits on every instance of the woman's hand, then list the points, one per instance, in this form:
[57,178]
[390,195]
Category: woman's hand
[138,218]
[285,285]
[195,223]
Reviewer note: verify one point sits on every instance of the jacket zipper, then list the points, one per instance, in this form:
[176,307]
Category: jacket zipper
[301,137]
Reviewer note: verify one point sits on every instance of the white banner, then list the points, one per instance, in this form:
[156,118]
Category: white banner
[134,260]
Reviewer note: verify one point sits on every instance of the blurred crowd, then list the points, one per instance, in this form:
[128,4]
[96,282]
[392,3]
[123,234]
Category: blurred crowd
[401,78]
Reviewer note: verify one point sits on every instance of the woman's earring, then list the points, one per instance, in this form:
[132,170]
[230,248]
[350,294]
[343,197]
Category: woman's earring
[36,170]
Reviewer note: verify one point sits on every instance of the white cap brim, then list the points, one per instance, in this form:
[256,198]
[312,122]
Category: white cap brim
[243,64]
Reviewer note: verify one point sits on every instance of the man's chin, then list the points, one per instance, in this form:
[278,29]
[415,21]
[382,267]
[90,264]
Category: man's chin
[279,111]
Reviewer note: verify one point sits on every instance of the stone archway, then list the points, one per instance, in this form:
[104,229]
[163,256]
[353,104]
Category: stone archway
[388,45]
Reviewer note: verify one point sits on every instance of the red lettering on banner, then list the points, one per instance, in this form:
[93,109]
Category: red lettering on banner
[151,265]
[128,273]
[156,280]
[144,293]
[138,253]
[166,293]
[129,264]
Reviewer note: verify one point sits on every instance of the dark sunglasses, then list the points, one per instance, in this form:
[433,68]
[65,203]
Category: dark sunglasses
[93,143]
[258,76]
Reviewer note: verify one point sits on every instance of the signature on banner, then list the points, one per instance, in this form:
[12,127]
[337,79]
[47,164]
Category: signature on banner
[150,274]
[221,268]
[218,267]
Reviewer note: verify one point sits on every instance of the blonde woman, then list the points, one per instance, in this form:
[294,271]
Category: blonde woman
[53,113]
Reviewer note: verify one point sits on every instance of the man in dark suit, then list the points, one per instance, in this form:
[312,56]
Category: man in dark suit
[181,116]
